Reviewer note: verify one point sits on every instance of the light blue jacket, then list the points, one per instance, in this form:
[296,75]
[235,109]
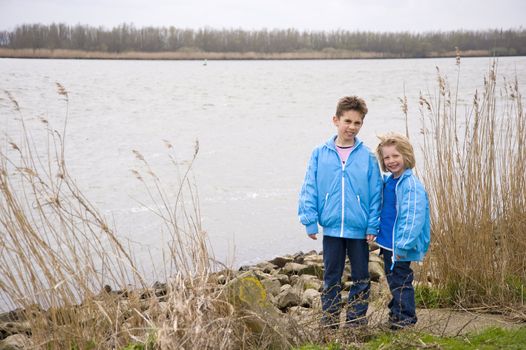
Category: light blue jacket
[344,199]
[411,230]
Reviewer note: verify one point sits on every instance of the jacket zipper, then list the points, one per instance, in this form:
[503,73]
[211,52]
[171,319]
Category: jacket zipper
[343,185]
[393,258]
[343,198]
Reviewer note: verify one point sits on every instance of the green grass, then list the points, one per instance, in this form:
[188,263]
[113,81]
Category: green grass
[317,347]
[430,297]
[491,338]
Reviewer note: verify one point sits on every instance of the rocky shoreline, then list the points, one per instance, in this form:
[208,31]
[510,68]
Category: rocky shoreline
[289,284]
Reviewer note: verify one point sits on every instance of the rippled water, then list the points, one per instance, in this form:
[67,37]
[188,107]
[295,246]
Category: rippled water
[256,122]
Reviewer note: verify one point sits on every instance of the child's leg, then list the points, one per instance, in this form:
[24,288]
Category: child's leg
[333,262]
[388,262]
[358,252]
[402,309]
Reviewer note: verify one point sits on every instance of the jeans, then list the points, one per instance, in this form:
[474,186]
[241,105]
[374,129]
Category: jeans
[402,308]
[335,250]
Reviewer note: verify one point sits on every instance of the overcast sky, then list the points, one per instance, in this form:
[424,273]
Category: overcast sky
[369,15]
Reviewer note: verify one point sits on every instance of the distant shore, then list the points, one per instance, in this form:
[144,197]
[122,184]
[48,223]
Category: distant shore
[326,54]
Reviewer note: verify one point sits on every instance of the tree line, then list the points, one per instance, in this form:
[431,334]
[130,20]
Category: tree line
[126,37]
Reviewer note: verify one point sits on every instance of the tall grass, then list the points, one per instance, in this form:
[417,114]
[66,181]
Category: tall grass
[77,282]
[475,174]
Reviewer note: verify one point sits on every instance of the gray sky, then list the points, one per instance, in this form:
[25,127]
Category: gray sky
[368,15]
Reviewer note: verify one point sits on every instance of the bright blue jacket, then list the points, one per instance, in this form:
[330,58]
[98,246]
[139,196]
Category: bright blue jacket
[344,199]
[411,230]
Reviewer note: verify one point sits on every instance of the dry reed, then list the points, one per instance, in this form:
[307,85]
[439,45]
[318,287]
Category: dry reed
[79,286]
[475,168]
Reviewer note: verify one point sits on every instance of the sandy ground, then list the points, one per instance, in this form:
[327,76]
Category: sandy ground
[445,322]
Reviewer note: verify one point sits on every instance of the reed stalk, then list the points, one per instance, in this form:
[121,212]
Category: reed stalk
[475,168]
[77,282]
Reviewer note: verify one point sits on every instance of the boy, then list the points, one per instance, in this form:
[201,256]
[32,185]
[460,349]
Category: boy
[342,193]
[404,226]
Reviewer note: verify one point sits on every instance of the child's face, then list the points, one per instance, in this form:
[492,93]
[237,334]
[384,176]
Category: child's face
[348,125]
[393,160]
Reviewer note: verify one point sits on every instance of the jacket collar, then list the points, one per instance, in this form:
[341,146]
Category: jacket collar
[332,145]
[406,173]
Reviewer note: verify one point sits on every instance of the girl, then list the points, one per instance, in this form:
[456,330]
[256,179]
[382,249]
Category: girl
[404,226]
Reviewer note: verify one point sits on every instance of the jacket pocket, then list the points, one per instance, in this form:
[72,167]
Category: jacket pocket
[355,215]
[329,214]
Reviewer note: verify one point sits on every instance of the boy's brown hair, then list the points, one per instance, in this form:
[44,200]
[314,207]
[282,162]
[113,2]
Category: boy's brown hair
[351,103]
[401,144]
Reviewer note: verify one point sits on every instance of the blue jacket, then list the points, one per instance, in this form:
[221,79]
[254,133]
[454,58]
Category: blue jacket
[411,230]
[344,199]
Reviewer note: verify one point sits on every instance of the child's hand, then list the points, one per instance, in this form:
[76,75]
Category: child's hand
[313,236]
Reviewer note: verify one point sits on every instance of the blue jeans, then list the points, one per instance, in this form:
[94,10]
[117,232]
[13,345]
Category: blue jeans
[334,252]
[402,309]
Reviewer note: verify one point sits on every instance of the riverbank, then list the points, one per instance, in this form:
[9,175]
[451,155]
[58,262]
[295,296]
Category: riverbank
[282,295]
[326,54]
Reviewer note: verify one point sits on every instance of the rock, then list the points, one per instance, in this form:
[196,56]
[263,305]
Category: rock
[160,289]
[12,316]
[310,298]
[294,279]
[285,287]
[303,269]
[377,258]
[272,285]
[298,309]
[288,297]
[266,267]
[292,268]
[221,277]
[247,294]
[261,275]
[315,258]
[373,246]
[305,282]
[10,328]
[244,268]
[250,299]
[347,271]
[299,257]
[283,279]
[347,286]
[16,342]
[281,261]
[376,270]
[314,269]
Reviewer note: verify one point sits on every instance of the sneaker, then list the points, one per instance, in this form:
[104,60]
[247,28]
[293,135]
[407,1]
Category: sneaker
[397,326]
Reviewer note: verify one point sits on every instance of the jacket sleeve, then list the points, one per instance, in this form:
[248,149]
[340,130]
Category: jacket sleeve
[411,216]
[308,200]
[375,191]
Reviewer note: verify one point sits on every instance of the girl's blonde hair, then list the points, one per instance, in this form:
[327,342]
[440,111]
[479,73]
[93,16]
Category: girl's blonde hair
[401,144]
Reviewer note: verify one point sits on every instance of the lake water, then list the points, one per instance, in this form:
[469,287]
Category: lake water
[256,122]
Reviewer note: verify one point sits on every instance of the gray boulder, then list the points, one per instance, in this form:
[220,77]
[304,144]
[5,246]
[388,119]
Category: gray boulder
[310,298]
[288,297]
[16,342]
